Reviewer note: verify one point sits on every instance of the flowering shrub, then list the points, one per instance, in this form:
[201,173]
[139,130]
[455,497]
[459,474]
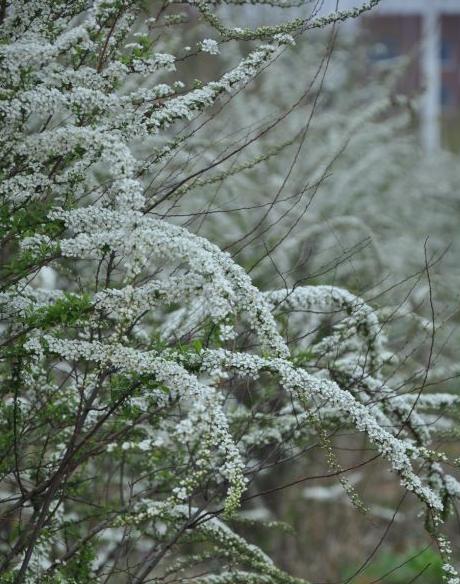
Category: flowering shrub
[127,444]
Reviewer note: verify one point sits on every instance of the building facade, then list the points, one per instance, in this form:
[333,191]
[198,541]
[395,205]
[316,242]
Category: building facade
[428,32]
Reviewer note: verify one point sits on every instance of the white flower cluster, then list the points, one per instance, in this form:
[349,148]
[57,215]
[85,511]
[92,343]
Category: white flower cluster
[210,46]
[306,388]
[115,318]
[360,320]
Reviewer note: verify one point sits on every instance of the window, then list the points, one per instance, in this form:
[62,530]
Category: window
[447,96]
[447,52]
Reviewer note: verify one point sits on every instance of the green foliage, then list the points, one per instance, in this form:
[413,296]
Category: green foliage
[79,568]
[64,311]
[424,566]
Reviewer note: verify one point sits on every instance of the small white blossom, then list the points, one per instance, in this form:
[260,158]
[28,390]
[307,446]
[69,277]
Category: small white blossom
[209,46]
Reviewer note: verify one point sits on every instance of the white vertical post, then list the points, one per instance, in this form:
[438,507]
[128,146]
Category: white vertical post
[431,68]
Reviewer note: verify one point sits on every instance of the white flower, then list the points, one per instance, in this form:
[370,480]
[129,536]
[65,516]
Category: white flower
[210,46]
